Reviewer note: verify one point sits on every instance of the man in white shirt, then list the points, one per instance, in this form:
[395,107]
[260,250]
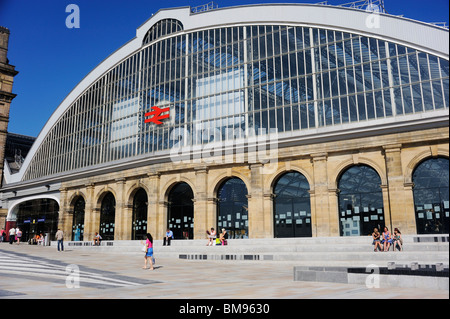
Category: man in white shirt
[60,238]
[12,235]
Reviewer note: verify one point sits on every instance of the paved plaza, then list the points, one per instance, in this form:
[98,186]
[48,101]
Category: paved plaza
[43,272]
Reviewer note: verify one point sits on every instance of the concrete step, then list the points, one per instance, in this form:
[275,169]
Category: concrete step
[330,241]
[438,256]
[311,251]
[422,247]
[311,240]
[418,276]
[263,245]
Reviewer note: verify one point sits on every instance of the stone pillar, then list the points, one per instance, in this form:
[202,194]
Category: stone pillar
[161,223]
[401,211]
[409,207]
[91,214]
[153,210]
[325,218]
[333,215]
[201,220]
[65,217]
[312,198]
[256,203]
[120,227]
[268,215]
[386,207]
[211,213]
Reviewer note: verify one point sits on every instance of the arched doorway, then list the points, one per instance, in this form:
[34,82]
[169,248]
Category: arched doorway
[37,216]
[292,206]
[78,219]
[180,217]
[360,201]
[431,198]
[107,216]
[139,226]
[232,208]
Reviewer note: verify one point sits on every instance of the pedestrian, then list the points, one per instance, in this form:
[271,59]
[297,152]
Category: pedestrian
[223,237]
[18,235]
[60,238]
[2,235]
[149,253]
[97,239]
[12,235]
[168,238]
[212,237]
[41,240]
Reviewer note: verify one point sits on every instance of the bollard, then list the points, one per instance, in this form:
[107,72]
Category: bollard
[439,267]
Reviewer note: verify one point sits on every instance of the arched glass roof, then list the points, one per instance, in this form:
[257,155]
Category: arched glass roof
[233,81]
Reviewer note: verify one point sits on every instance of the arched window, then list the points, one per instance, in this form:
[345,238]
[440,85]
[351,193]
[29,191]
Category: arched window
[431,199]
[292,206]
[162,28]
[232,208]
[108,217]
[180,217]
[78,219]
[360,201]
[139,227]
[36,217]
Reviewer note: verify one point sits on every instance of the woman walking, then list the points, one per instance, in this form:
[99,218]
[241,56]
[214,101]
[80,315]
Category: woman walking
[149,252]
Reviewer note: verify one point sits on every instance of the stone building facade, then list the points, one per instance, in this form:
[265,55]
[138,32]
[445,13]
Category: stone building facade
[393,156]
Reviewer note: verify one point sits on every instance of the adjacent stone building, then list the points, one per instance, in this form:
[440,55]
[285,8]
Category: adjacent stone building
[7,74]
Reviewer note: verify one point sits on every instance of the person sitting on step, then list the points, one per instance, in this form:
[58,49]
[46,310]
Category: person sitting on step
[223,237]
[97,239]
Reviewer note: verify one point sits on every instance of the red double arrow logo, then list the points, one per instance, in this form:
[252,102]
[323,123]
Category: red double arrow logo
[157,115]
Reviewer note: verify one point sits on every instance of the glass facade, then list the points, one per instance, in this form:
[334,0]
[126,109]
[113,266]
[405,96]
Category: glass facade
[180,217]
[234,82]
[431,196]
[292,206]
[78,219]
[36,217]
[232,208]
[361,206]
[108,217]
[139,227]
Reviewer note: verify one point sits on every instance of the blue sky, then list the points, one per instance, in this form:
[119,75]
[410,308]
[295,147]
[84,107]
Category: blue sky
[53,59]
